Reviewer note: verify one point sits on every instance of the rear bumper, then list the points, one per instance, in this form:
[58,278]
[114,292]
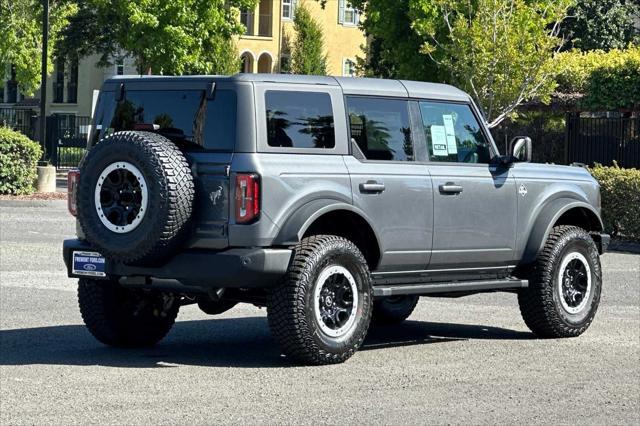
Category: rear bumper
[232,268]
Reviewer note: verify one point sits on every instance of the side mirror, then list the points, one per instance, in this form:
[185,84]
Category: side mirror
[520,148]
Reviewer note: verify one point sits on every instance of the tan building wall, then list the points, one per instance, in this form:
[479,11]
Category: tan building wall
[343,40]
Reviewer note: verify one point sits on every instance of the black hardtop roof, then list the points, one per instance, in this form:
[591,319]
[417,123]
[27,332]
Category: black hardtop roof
[350,85]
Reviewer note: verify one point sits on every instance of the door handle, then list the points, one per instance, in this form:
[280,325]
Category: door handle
[450,188]
[371,187]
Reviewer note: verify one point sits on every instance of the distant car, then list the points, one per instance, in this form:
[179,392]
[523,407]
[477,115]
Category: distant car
[330,201]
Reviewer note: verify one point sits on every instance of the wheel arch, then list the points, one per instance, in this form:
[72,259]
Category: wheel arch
[333,217]
[561,211]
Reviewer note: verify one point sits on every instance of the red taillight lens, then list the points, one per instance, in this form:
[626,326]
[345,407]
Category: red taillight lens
[73,180]
[247,197]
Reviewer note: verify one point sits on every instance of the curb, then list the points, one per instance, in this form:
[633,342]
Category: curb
[32,203]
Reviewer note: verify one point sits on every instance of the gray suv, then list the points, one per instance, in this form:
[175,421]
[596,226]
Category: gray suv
[331,201]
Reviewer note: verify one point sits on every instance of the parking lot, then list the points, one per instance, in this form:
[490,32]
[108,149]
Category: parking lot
[467,360]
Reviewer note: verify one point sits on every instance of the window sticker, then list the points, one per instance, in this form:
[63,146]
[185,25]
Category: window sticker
[451,134]
[439,141]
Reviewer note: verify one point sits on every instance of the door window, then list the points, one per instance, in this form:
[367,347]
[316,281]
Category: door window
[381,128]
[453,133]
[299,119]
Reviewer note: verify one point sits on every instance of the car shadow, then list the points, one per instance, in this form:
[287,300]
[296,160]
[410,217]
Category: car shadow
[233,342]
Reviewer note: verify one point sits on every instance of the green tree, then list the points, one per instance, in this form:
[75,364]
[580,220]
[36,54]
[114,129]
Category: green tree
[164,37]
[601,24]
[21,38]
[500,51]
[307,50]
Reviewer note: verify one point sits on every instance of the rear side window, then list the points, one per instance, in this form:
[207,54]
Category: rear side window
[182,116]
[381,128]
[299,119]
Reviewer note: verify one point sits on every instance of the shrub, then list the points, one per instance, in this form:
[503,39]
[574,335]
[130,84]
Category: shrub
[620,189]
[608,80]
[18,158]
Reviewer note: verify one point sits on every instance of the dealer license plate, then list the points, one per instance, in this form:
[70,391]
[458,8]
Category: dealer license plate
[88,263]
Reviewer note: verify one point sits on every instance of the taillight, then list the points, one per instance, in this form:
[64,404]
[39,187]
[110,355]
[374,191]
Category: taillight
[73,180]
[247,197]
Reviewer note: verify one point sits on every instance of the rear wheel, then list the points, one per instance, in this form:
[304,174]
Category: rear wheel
[393,309]
[564,286]
[320,312]
[122,317]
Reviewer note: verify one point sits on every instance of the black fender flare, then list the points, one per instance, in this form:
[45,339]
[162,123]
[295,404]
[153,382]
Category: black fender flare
[545,220]
[301,219]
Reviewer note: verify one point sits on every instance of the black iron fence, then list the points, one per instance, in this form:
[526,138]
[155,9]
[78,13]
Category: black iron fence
[67,139]
[23,120]
[603,140]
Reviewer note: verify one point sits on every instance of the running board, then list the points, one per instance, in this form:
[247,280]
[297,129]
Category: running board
[449,287]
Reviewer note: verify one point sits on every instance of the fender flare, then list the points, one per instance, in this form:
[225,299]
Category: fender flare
[545,221]
[300,220]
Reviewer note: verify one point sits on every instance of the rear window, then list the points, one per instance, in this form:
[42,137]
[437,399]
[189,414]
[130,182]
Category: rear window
[180,115]
[299,119]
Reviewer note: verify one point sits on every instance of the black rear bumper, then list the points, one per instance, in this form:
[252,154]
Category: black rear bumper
[232,268]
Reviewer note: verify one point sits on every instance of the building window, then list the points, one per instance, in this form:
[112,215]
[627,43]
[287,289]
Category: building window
[120,66]
[72,85]
[58,82]
[246,19]
[265,21]
[348,68]
[12,86]
[288,9]
[347,15]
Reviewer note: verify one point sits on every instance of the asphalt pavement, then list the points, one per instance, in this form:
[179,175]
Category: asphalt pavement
[467,360]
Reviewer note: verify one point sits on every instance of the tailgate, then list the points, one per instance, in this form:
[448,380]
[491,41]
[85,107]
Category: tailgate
[211,201]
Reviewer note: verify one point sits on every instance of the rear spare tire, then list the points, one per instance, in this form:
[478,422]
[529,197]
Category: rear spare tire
[135,197]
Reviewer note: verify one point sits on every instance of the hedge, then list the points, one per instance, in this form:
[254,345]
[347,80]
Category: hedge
[19,156]
[620,190]
[608,80]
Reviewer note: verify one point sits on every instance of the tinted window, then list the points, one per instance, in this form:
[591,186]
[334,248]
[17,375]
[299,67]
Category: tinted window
[182,116]
[177,114]
[220,127]
[381,128]
[299,119]
[453,134]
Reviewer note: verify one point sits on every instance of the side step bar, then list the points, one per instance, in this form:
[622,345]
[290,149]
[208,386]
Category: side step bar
[449,287]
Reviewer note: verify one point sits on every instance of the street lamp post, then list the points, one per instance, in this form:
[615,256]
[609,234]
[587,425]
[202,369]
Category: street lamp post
[43,84]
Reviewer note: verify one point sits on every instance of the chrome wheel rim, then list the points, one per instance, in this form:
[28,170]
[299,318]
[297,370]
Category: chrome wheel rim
[574,283]
[121,197]
[336,301]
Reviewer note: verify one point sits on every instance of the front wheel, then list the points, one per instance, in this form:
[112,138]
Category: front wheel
[565,285]
[122,317]
[320,312]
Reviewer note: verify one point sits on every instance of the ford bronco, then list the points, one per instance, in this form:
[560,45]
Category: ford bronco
[330,201]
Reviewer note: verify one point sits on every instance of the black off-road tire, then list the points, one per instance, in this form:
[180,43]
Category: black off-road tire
[125,318]
[540,304]
[170,191]
[291,313]
[394,309]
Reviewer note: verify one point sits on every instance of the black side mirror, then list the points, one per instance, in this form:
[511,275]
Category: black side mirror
[520,149]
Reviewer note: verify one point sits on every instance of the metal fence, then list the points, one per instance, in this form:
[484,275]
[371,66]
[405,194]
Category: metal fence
[603,140]
[67,139]
[23,120]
